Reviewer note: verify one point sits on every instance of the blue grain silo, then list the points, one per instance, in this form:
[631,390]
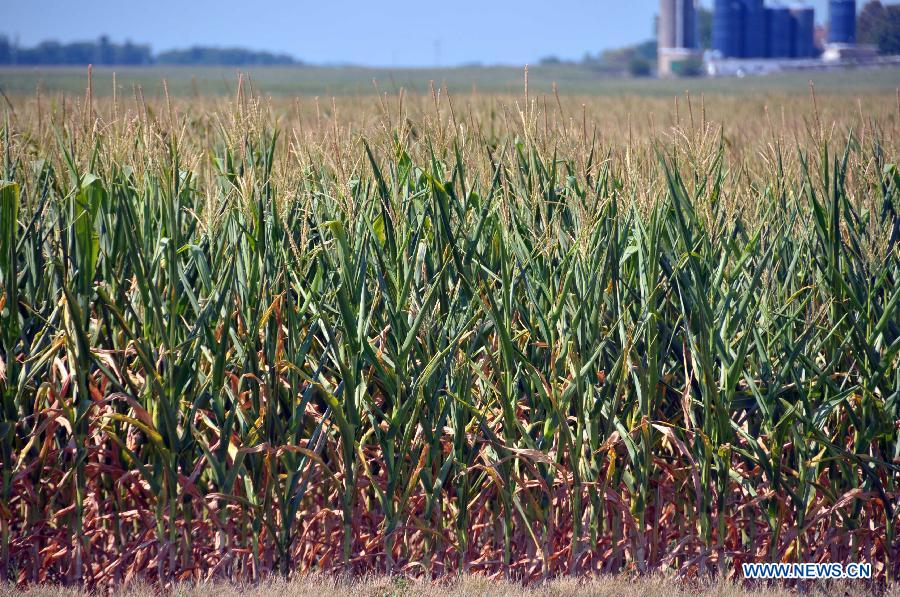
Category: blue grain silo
[804,24]
[728,28]
[756,33]
[781,32]
[842,26]
[688,24]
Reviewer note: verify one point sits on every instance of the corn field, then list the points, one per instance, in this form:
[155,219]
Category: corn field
[522,337]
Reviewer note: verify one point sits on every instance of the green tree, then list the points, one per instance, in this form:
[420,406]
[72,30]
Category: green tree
[704,28]
[5,50]
[689,67]
[879,25]
[640,67]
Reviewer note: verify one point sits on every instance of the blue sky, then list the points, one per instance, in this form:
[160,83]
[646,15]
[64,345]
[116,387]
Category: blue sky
[386,33]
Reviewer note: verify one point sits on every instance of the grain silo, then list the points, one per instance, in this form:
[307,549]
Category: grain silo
[666,35]
[804,26]
[676,35]
[842,22]
[756,33]
[677,26]
[781,32]
[687,26]
[728,28]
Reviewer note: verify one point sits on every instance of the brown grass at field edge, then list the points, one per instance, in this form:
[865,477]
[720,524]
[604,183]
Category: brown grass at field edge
[316,585]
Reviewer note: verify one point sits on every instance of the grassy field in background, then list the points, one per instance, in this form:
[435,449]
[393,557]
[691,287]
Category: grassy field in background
[327,81]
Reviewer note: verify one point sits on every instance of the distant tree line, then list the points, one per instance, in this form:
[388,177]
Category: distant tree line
[223,56]
[100,52]
[637,60]
[103,52]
